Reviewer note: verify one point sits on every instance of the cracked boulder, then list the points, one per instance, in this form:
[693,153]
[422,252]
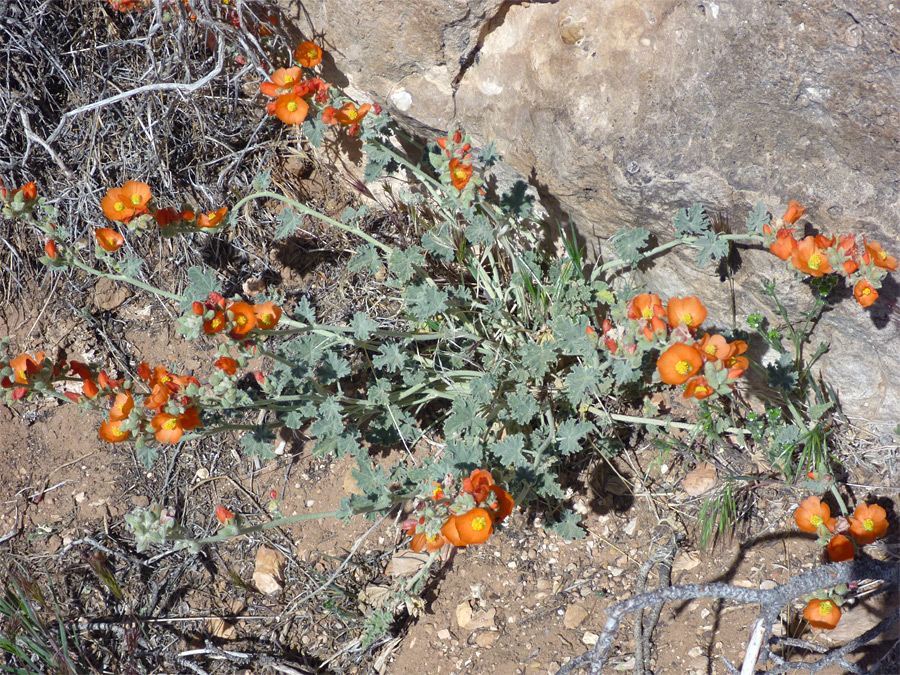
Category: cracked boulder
[621,112]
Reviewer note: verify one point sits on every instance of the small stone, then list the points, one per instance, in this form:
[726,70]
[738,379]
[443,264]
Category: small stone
[269,570]
[222,629]
[575,615]
[463,614]
[701,480]
[590,639]
[767,585]
[443,634]
[486,639]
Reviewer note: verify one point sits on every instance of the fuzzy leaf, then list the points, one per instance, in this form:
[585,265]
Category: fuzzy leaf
[711,247]
[482,388]
[362,325]
[333,368]
[757,217]
[403,263]
[479,231]
[424,302]
[509,450]
[390,358]
[330,422]
[581,384]
[261,180]
[629,242]
[314,130]
[305,311]
[438,242]
[534,360]
[568,528]
[464,419]
[288,220]
[691,221]
[570,434]
[351,215]
[522,406]
[624,372]
[488,155]
[201,282]
[366,258]
[258,442]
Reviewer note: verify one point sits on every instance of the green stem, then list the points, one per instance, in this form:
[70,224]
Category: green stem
[128,280]
[303,208]
[615,264]
[652,422]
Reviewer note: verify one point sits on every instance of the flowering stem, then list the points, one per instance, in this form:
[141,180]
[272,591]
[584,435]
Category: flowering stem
[128,280]
[264,526]
[649,421]
[302,208]
[621,262]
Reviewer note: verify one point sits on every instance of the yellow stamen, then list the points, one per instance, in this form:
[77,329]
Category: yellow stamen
[240,320]
[479,523]
[119,206]
[710,349]
[826,608]
[683,367]
[868,525]
[352,114]
[647,313]
[117,431]
[291,106]
[288,79]
[816,520]
[211,215]
[815,261]
[170,424]
[135,199]
[687,319]
[700,390]
[311,54]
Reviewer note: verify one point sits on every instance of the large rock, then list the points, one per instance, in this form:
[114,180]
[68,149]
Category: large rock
[621,112]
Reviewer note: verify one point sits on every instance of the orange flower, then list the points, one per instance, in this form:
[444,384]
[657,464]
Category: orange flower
[689,311]
[159,396]
[450,531]
[784,245]
[868,523]
[109,240]
[879,257]
[24,366]
[224,515]
[478,484]
[211,219]
[822,614]
[29,191]
[328,116]
[267,315]
[811,514]
[810,259]
[459,173]
[189,419]
[168,429]
[215,324]
[227,364]
[349,114]
[792,215]
[474,526]
[847,245]
[122,407]
[503,505]
[291,108]
[678,363]
[865,293]
[124,202]
[824,242]
[714,347]
[840,549]
[244,319]
[90,388]
[111,433]
[698,388]
[308,54]
[282,82]
[431,544]
[645,306]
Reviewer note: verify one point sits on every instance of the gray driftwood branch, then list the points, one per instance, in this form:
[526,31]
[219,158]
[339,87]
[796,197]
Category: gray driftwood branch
[771,602]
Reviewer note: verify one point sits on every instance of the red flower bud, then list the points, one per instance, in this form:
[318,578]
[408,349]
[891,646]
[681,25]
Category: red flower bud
[197,308]
[224,515]
[457,136]
[50,249]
